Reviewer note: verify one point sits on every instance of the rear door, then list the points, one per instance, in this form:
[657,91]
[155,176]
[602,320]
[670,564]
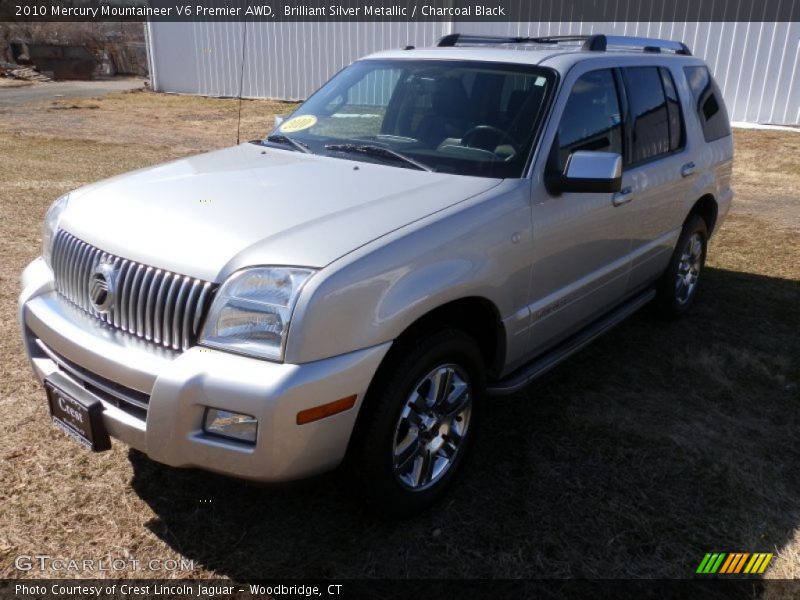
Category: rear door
[658,170]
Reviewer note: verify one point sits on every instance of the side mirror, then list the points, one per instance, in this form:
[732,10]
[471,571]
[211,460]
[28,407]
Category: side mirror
[278,121]
[592,172]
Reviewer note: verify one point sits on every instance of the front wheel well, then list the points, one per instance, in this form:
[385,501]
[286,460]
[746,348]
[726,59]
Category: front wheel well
[477,317]
[706,209]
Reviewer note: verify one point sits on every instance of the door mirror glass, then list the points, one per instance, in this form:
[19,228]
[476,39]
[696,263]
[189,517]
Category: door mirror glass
[588,171]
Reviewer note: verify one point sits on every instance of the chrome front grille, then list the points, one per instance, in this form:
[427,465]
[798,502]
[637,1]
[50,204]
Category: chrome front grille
[157,305]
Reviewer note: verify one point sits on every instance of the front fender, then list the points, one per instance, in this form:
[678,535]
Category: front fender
[479,248]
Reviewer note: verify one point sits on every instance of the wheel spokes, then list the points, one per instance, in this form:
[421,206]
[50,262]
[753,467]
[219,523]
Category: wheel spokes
[451,442]
[696,249]
[458,403]
[423,471]
[413,415]
[411,436]
[691,262]
[439,386]
[431,427]
[404,457]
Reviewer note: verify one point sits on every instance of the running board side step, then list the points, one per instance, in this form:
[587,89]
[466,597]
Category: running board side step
[526,374]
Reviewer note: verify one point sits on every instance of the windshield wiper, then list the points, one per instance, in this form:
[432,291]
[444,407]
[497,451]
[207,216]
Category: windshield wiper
[278,138]
[380,151]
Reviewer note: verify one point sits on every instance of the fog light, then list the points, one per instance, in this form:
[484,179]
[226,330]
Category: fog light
[235,426]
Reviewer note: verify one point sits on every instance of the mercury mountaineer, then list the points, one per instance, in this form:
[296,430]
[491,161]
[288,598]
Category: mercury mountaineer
[433,228]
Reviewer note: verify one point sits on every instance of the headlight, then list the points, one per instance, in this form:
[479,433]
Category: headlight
[252,310]
[51,219]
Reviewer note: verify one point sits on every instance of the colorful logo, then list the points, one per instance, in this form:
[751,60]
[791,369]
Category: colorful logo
[734,563]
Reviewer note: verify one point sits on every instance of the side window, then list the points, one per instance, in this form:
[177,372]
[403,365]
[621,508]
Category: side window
[650,124]
[591,118]
[708,100]
[676,125]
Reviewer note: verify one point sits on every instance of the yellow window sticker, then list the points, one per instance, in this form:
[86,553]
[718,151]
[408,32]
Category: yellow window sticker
[299,123]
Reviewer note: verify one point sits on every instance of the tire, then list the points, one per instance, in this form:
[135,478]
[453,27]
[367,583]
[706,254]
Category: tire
[409,446]
[678,286]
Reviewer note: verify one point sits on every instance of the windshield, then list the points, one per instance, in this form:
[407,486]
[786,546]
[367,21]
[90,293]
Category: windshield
[468,118]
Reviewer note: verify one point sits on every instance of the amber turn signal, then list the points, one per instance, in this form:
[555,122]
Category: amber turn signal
[325,410]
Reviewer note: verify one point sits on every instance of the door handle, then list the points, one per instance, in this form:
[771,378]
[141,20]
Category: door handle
[688,169]
[623,196]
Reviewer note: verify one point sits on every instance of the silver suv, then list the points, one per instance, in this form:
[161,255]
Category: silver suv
[432,227]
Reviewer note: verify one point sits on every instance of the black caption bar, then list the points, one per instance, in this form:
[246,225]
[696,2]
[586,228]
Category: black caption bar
[401,10]
[440,589]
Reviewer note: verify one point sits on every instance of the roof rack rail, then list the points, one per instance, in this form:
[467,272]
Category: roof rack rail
[594,43]
[461,38]
[600,42]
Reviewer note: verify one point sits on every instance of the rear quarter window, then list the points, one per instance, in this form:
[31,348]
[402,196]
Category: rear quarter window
[708,103]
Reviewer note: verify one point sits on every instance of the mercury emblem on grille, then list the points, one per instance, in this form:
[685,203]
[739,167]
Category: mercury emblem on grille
[102,287]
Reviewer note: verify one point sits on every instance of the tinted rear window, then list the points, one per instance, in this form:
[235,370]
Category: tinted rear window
[650,123]
[708,103]
[676,126]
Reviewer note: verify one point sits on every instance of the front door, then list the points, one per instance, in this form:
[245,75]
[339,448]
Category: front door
[581,241]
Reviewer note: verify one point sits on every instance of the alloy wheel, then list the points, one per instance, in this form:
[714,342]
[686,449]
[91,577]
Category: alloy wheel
[432,427]
[691,262]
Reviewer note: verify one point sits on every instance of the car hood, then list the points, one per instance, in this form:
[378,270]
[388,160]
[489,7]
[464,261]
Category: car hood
[208,214]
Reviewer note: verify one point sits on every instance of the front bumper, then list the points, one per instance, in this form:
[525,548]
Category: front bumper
[155,399]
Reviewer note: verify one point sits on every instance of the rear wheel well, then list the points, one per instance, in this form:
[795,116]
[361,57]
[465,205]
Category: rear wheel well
[706,209]
[477,317]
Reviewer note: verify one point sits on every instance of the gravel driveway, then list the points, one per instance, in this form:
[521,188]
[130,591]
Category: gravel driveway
[67,89]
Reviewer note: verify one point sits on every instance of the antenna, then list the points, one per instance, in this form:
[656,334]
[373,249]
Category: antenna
[241,83]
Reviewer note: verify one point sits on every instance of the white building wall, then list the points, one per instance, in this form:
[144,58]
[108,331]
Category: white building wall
[756,64]
[287,61]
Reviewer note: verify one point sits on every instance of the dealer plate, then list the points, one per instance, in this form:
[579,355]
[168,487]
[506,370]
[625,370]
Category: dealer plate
[80,419]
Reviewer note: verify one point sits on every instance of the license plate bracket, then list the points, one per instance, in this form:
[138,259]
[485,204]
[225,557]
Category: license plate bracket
[80,419]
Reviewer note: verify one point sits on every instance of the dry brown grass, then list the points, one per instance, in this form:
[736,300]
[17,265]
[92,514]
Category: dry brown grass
[657,444]
[767,175]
